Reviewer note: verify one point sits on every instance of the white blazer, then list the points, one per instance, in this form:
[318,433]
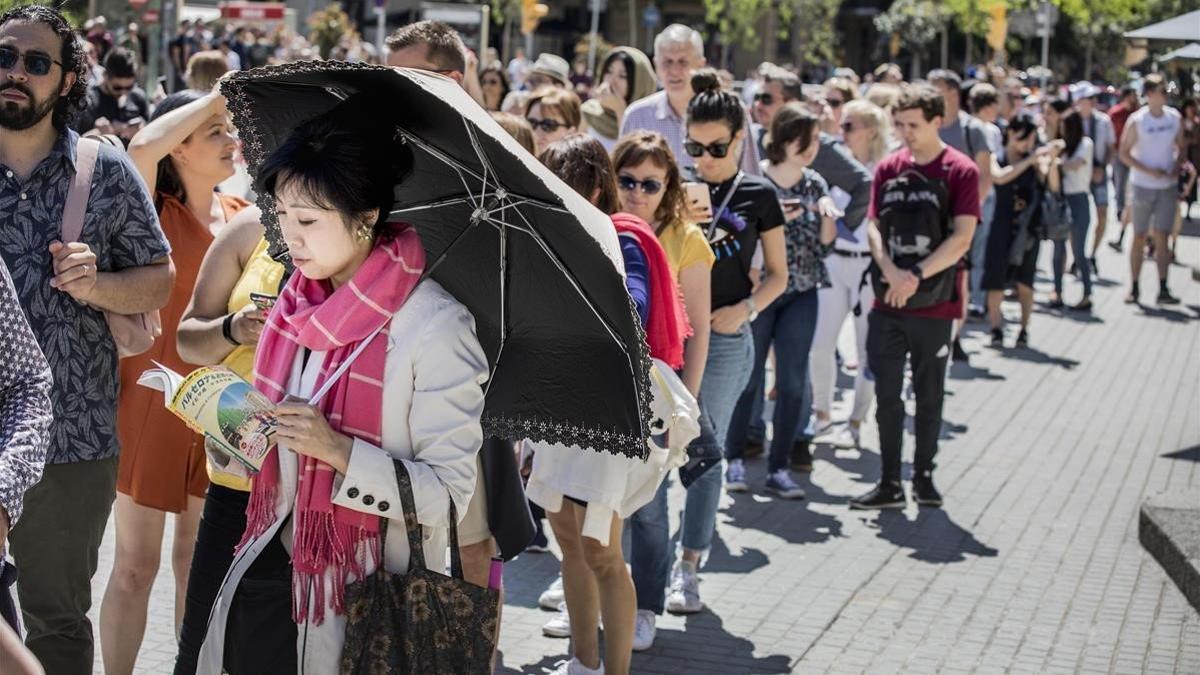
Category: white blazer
[432,404]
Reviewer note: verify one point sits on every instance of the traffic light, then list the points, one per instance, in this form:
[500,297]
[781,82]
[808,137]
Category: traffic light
[532,12]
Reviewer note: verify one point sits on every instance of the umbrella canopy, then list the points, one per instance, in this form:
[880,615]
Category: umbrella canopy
[1189,53]
[537,265]
[1183,28]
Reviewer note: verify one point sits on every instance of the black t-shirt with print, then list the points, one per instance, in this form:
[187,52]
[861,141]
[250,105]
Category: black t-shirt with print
[733,235]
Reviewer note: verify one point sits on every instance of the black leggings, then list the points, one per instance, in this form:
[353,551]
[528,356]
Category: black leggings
[221,527]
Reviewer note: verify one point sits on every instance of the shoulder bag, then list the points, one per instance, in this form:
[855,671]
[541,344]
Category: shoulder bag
[421,621]
[133,333]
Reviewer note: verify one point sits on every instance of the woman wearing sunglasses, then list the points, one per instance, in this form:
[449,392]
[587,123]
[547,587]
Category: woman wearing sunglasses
[788,322]
[1021,174]
[838,92]
[650,188]
[554,114]
[584,495]
[867,131]
[745,213]
[494,83]
[182,155]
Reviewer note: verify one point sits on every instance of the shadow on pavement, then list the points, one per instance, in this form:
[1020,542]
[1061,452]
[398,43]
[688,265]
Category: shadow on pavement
[1172,315]
[948,432]
[1191,454]
[1033,355]
[736,653]
[966,371]
[933,536]
[791,520]
[721,559]
[862,466]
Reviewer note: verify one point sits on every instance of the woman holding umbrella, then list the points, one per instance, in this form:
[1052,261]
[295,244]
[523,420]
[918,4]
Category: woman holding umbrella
[318,507]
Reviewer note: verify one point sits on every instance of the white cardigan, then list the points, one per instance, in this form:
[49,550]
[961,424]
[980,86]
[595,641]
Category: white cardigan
[432,404]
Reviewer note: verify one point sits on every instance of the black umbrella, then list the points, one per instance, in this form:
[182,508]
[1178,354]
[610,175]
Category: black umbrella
[537,265]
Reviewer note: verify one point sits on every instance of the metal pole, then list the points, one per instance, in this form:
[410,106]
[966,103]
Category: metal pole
[1044,26]
[485,33]
[595,4]
[380,30]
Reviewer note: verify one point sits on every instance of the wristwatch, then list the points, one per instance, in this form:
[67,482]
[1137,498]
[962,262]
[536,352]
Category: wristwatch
[916,269]
[753,308]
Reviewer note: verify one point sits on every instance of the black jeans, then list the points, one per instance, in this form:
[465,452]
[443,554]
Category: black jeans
[926,342]
[221,527]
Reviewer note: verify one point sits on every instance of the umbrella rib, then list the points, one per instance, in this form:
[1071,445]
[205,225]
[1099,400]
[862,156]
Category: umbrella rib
[434,205]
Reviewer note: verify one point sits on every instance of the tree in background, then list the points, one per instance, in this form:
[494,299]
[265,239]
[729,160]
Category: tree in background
[327,28]
[808,23]
[913,25]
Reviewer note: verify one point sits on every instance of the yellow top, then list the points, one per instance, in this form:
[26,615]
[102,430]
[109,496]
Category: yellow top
[261,275]
[685,245]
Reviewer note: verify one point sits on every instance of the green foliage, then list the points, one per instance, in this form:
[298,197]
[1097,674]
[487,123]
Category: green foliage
[327,28]
[916,22]
[740,22]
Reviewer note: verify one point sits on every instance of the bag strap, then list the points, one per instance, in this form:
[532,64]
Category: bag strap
[737,180]
[416,545]
[86,151]
[341,370]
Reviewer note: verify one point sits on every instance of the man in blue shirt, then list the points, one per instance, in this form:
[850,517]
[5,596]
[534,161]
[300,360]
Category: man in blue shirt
[121,264]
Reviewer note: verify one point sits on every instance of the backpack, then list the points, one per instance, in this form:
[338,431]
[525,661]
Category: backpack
[914,219]
[132,333]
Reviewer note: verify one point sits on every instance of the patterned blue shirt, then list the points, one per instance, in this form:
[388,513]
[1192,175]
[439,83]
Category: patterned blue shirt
[805,252]
[24,403]
[122,229]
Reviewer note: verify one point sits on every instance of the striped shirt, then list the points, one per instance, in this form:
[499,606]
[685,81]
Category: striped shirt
[654,113]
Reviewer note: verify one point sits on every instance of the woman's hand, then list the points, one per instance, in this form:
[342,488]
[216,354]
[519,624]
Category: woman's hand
[304,430]
[248,324]
[729,319]
[609,99]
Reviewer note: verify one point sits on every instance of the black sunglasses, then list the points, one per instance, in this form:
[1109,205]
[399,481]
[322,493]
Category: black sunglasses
[765,98]
[834,103]
[548,126]
[36,63]
[648,186]
[717,150]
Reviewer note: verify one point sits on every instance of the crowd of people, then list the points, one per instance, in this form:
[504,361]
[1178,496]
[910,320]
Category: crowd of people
[753,225]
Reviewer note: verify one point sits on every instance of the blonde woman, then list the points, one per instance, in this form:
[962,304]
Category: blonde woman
[867,131]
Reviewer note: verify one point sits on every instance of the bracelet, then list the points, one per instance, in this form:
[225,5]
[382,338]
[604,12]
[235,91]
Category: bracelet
[227,330]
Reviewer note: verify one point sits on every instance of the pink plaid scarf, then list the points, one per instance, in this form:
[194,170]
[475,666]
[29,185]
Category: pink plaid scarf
[308,314]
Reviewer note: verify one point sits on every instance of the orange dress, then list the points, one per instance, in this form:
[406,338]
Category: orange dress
[162,461]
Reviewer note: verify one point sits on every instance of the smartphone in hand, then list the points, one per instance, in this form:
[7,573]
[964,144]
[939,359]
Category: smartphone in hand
[263,301]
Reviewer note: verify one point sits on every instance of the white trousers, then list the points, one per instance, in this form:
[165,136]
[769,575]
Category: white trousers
[835,303]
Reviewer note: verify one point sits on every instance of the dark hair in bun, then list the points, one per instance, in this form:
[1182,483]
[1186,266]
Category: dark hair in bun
[713,104]
[347,160]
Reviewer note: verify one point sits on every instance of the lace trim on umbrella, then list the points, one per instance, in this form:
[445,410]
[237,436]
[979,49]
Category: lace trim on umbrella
[244,119]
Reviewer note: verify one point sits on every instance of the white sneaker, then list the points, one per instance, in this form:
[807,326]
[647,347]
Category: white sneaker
[644,630]
[842,438]
[781,483]
[684,597]
[552,597]
[560,625]
[855,435]
[823,430]
[574,667]
[735,476]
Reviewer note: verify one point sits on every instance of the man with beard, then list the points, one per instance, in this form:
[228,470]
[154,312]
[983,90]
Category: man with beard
[121,264]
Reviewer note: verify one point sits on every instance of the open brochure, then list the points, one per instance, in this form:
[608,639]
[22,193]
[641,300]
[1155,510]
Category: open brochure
[218,403]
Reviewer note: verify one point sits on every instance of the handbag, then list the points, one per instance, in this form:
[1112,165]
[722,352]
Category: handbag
[1056,216]
[1022,238]
[421,621]
[133,333]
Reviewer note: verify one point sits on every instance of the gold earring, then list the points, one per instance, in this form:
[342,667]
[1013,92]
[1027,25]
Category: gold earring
[364,232]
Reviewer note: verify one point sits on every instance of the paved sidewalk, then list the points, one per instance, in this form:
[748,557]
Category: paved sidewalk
[1033,565]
